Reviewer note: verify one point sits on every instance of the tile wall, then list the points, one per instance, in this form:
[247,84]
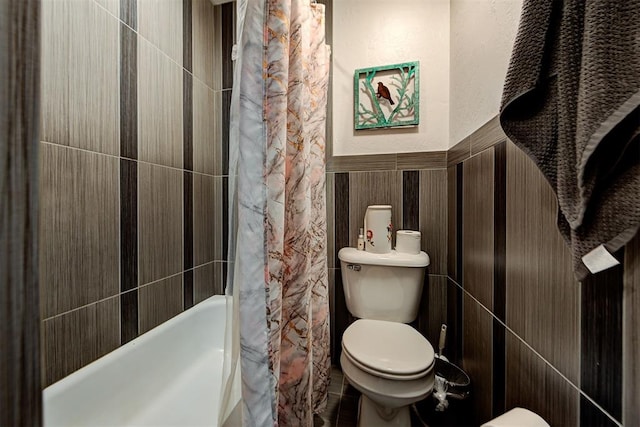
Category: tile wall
[132,169]
[527,332]
[416,188]
[20,391]
[523,328]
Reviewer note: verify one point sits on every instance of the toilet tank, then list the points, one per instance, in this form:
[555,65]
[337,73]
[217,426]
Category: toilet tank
[382,286]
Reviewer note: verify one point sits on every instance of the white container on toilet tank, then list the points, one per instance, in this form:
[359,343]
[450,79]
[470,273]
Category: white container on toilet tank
[378,228]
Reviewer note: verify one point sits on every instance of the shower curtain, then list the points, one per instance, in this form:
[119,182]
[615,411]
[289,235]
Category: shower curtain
[277,192]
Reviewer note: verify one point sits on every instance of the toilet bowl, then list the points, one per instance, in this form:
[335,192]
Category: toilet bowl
[388,361]
[392,371]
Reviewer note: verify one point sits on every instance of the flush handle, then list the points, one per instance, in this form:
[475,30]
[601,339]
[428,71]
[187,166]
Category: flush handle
[354,267]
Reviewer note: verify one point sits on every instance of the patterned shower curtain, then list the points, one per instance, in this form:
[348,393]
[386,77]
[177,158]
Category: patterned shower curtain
[277,188]
[297,72]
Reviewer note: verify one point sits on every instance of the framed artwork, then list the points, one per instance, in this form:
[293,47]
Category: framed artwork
[387,96]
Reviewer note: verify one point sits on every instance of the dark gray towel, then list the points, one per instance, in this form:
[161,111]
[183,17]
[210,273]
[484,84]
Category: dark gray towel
[571,102]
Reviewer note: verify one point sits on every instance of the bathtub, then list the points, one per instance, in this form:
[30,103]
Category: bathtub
[170,376]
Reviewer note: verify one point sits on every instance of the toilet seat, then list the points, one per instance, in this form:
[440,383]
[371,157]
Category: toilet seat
[389,350]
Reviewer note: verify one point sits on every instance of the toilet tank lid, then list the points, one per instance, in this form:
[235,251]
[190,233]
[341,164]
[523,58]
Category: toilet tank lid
[391,259]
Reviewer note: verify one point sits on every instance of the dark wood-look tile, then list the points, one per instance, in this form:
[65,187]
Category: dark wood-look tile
[422,160]
[79,102]
[227,44]
[452,222]
[207,280]
[189,103]
[593,416]
[79,228]
[128,13]
[187,289]
[128,224]
[221,151]
[204,50]
[218,215]
[331,273]
[374,162]
[533,384]
[499,278]
[477,227]
[436,311]
[342,214]
[79,337]
[187,32]
[204,227]
[498,399]
[410,201]
[542,296]
[20,357]
[373,188]
[433,218]
[206,131]
[225,218]
[459,152]
[342,318]
[331,216]
[224,133]
[487,136]
[477,357]
[631,334]
[188,212]
[128,316]
[455,336]
[159,302]
[162,23]
[160,111]
[601,339]
[128,92]
[160,231]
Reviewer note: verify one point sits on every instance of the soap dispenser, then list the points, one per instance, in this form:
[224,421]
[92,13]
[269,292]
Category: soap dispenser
[361,240]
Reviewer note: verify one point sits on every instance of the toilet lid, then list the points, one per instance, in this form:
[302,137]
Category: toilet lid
[388,347]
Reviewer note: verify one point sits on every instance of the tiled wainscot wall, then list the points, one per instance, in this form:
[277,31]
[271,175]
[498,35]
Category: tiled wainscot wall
[133,168]
[524,329]
[415,185]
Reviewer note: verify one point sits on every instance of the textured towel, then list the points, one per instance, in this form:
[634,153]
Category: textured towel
[571,102]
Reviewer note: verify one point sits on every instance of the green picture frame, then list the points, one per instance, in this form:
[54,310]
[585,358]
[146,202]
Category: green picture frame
[387,96]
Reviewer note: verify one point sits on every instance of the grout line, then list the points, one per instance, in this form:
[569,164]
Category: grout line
[156,46]
[130,290]
[549,364]
[55,144]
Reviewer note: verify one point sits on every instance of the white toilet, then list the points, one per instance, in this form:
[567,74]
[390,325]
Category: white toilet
[387,360]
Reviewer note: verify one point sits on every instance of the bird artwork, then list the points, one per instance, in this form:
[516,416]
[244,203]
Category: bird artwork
[383,92]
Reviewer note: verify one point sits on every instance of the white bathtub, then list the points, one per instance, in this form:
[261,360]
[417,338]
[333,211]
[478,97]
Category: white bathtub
[169,376]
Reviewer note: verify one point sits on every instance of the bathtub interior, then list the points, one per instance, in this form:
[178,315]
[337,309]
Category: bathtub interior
[169,376]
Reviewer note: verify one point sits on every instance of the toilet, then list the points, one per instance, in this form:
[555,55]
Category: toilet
[388,361]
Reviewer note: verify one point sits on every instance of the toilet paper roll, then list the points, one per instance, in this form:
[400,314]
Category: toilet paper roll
[408,242]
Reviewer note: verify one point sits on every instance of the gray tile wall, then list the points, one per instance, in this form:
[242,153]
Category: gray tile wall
[128,244]
[418,202]
[531,335]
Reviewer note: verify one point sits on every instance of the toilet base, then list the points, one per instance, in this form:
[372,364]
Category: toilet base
[372,414]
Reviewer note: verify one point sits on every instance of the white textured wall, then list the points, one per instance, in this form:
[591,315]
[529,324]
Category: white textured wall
[379,32]
[482,35]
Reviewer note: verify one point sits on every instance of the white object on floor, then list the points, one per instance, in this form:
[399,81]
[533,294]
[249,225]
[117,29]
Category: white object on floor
[517,417]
